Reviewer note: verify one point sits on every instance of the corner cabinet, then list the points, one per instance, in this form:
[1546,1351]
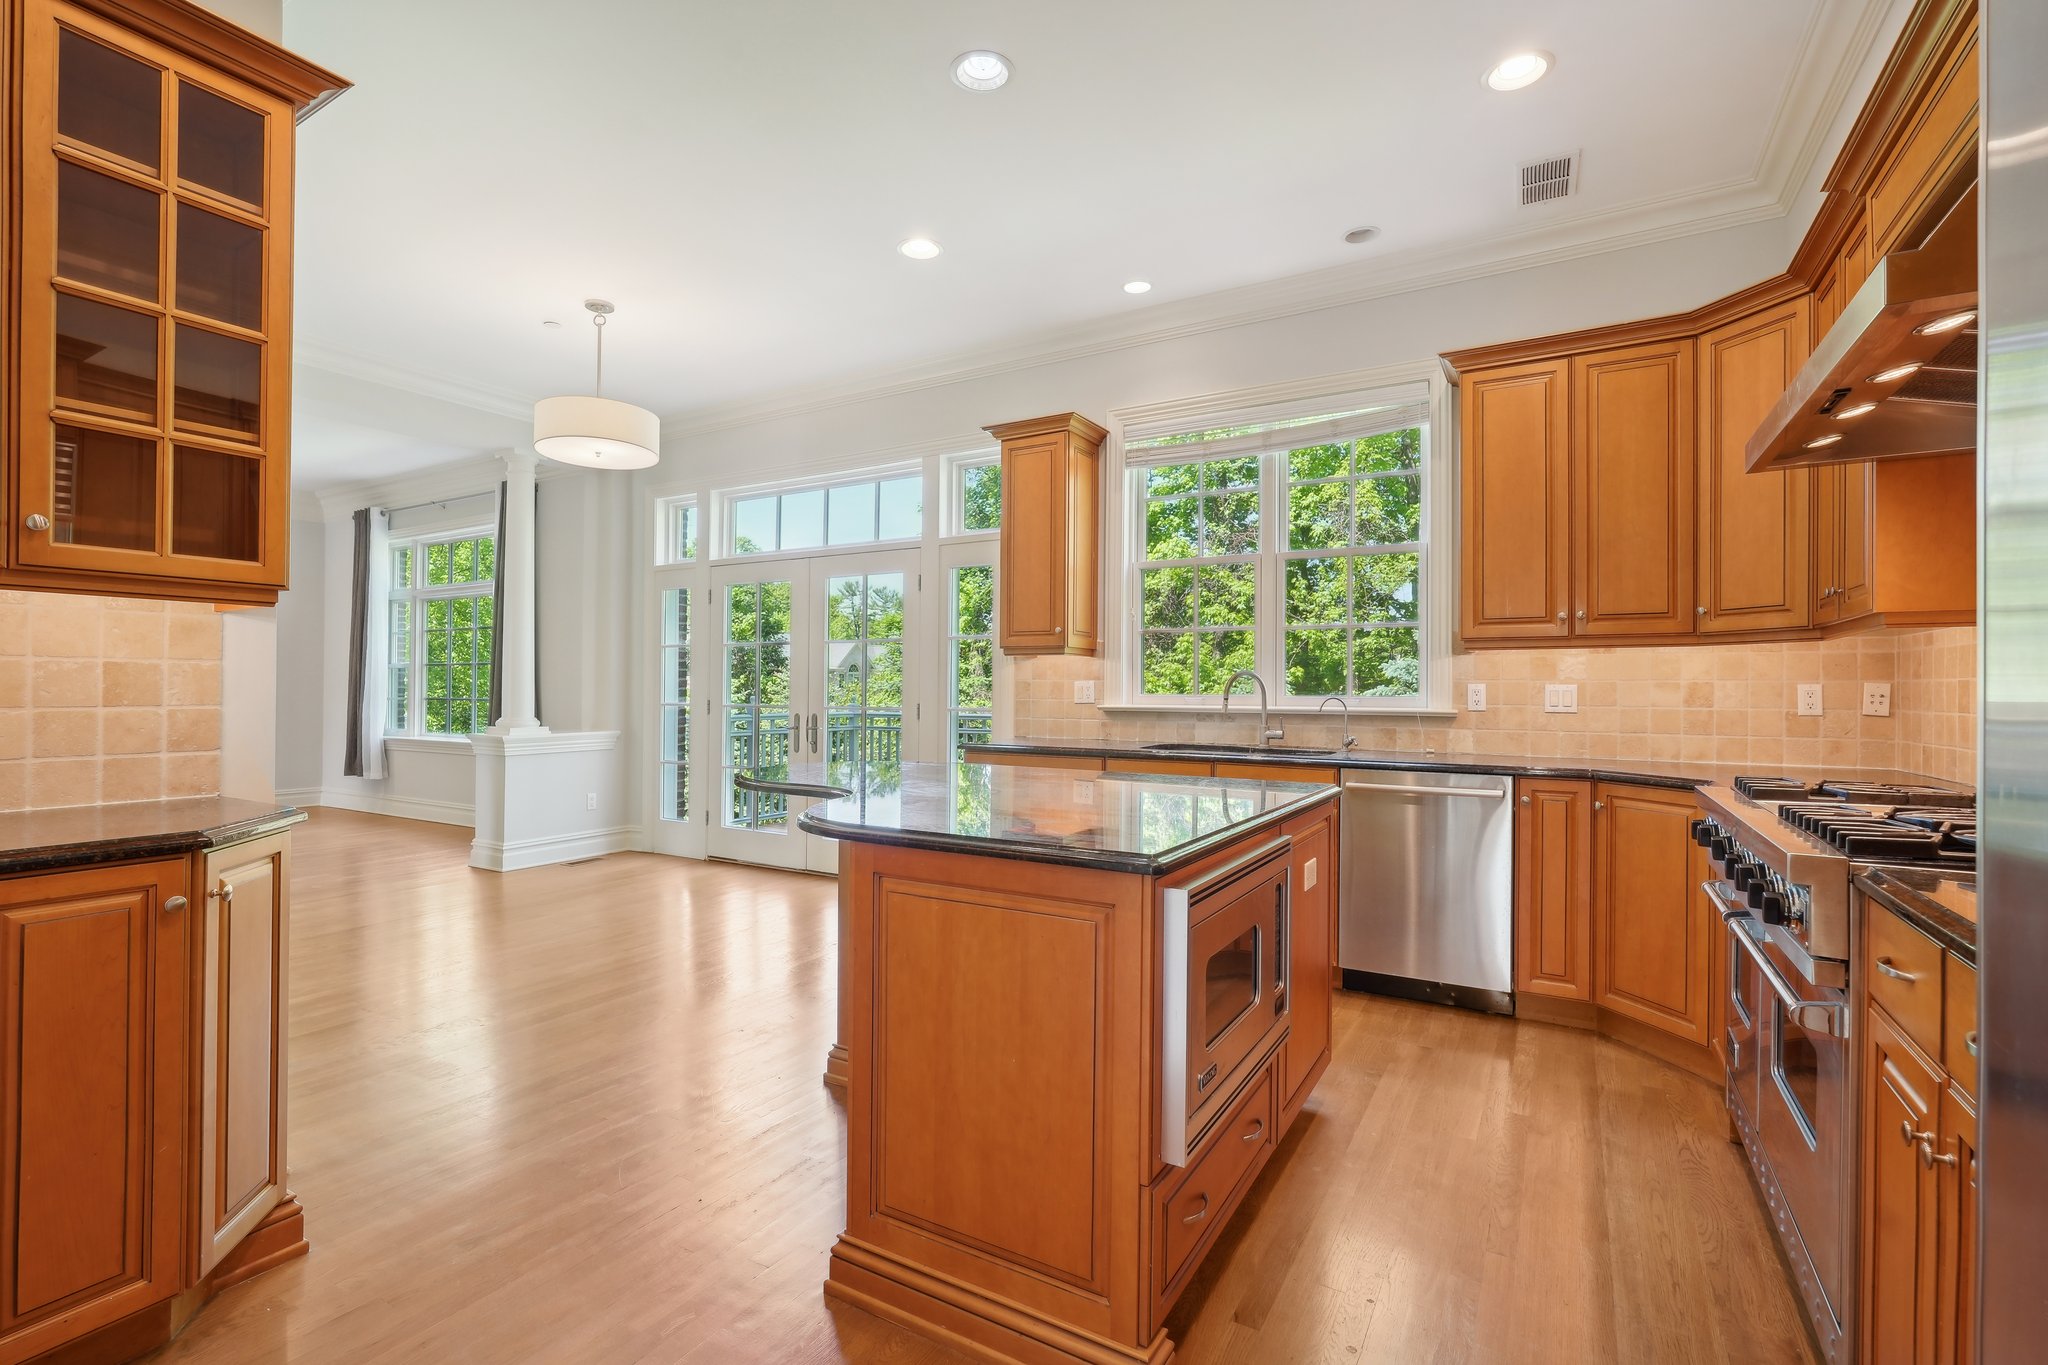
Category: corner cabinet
[1050,577]
[149,251]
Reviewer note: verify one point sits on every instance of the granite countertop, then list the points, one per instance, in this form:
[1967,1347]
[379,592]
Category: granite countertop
[1137,823]
[1646,772]
[37,840]
[1941,904]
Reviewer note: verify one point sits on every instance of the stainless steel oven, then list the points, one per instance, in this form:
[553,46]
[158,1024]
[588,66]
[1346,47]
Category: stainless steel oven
[1224,993]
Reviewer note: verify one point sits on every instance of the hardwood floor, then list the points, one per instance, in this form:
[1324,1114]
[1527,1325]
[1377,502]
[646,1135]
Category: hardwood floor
[574,1114]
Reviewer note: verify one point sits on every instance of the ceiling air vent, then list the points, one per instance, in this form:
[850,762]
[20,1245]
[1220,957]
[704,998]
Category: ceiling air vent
[1554,177]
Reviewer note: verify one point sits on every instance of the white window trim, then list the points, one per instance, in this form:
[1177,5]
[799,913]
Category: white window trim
[952,489]
[1439,500]
[664,556]
[415,734]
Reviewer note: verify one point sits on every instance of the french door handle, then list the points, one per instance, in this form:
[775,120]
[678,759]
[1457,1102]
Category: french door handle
[814,732]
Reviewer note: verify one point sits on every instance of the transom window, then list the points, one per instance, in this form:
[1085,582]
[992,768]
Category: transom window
[834,515]
[1295,548]
[675,531]
[977,496]
[443,629]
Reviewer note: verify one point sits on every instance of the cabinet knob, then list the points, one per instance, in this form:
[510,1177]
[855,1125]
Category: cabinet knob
[1525,800]
[1599,805]
[226,894]
[174,904]
[37,522]
[1699,611]
[1909,1137]
[1560,617]
[1929,1159]
[1582,613]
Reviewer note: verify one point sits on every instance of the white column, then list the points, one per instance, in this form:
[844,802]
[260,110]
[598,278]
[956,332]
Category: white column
[516,633]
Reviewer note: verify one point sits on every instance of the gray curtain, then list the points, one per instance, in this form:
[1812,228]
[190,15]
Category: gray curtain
[359,627]
[498,611]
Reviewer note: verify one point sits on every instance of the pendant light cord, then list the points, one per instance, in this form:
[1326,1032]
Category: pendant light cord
[597,320]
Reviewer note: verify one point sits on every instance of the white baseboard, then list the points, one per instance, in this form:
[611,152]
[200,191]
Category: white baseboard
[404,807]
[493,856]
[299,796]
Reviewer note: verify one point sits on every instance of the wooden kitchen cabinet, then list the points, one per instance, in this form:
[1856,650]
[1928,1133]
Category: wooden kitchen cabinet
[1632,490]
[1900,1198]
[1554,888]
[1652,936]
[1895,542]
[1755,566]
[1935,149]
[1956,1197]
[1516,565]
[1312,948]
[93,966]
[242,1013]
[1051,546]
[147,448]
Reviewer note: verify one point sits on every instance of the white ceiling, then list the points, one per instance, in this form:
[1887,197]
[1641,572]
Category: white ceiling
[736,176]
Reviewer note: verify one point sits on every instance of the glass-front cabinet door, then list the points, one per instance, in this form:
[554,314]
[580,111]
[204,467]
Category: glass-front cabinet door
[154,365]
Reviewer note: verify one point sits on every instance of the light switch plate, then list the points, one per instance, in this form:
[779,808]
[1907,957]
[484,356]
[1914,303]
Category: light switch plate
[1561,697]
[590,800]
[1877,699]
[1809,699]
[1084,690]
[1309,875]
[1475,696]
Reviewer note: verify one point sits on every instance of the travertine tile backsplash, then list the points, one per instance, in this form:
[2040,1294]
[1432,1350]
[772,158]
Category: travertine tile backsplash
[106,699]
[1709,703]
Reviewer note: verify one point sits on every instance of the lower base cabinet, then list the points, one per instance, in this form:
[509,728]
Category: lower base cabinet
[142,1013]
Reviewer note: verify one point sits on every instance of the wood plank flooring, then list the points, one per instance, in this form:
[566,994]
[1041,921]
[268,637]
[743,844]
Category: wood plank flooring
[574,1115]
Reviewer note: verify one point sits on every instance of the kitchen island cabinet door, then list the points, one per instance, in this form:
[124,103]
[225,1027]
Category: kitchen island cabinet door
[1553,888]
[1632,470]
[1900,1199]
[1311,953]
[1652,940]
[1517,491]
[241,1170]
[1755,555]
[92,1095]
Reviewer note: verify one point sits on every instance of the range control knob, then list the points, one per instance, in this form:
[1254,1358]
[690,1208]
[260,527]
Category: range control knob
[1717,848]
[1703,832]
[1742,872]
[1771,906]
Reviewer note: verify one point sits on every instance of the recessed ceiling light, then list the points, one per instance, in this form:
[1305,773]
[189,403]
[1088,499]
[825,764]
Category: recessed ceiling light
[1361,234]
[1947,324]
[919,248]
[1817,442]
[1138,287]
[1846,413]
[980,70]
[1895,372]
[1522,69]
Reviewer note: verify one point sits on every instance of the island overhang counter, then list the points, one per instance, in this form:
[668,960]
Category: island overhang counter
[1078,1012]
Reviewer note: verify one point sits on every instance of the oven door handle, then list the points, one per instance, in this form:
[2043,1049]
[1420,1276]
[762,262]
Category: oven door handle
[1827,1017]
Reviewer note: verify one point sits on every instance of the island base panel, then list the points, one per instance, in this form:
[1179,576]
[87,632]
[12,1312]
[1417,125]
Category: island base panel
[963,1317]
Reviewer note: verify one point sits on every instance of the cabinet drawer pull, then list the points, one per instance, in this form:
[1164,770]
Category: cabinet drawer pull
[1199,1214]
[1929,1159]
[1884,964]
[37,522]
[1909,1137]
[1258,1131]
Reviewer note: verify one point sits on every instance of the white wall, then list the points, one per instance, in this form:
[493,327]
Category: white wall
[302,662]
[258,16]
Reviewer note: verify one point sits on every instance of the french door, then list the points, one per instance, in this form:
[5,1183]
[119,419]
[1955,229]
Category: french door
[814,662]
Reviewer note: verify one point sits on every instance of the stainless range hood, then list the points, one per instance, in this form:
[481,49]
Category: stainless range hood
[1896,376]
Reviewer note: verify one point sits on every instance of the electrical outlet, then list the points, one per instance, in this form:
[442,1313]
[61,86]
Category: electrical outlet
[1877,699]
[1084,793]
[1084,690]
[1809,699]
[1561,697]
[590,800]
[1475,696]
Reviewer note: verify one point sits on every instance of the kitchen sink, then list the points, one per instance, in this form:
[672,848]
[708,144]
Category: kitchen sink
[1235,750]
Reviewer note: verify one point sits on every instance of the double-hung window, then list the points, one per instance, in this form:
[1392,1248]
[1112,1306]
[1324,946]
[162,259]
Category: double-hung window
[443,629]
[1291,539]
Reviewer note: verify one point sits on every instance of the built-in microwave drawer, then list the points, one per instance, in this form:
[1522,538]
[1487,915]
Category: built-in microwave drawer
[1200,1201]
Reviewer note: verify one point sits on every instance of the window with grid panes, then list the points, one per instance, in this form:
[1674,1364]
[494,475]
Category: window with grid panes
[970,656]
[675,704]
[1293,548]
[443,628]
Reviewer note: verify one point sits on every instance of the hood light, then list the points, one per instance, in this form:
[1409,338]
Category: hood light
[1947,324]
[1846,413]
[1896,372]
[1817,442]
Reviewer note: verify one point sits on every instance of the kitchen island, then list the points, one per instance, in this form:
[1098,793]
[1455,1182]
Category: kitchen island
[1079,1012]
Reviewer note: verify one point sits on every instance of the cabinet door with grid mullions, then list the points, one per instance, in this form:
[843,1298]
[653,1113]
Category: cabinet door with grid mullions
[152,426]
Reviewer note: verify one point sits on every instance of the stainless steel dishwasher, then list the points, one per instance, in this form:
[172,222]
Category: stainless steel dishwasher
[1428,888]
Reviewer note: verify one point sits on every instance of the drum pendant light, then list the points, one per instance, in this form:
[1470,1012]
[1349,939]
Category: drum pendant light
[596,432]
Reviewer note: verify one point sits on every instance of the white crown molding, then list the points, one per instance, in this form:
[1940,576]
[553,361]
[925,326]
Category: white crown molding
[1813,96]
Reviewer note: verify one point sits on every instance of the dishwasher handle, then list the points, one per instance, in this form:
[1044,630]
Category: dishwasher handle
[1484,793]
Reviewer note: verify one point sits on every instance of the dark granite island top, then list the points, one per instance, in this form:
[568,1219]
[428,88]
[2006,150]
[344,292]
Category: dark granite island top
[36,840]
[1138,823]
[1941,904]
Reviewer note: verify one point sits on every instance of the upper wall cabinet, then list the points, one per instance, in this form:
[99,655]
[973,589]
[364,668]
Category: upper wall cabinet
[147,451]
[1578,496]
[1050,577]
[1754,565]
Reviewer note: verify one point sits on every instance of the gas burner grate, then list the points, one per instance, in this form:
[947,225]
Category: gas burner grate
[1773,788]
[1887,794]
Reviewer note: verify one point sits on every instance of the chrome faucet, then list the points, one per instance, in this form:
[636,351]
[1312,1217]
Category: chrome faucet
[1267,734]
[1350,740]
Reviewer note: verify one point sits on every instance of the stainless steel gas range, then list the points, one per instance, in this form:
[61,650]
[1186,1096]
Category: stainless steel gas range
[1785,852]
